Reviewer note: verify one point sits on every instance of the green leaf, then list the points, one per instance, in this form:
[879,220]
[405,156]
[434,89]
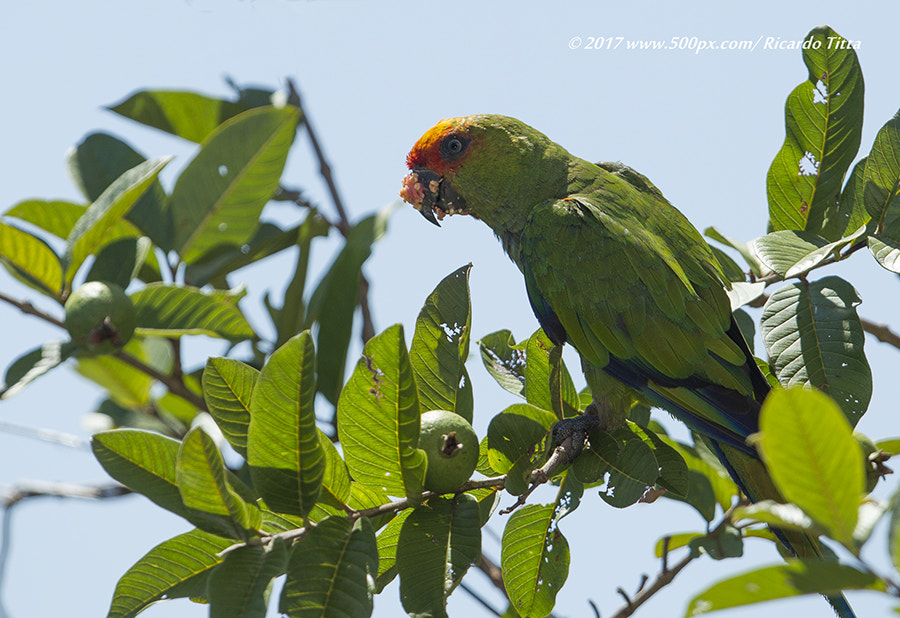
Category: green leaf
[632,465]
[548,384]
[388,540]
[886,251]
[535,559]
[336,484]
[894,531]
[823,123]
[335,299]
[744,248]
[144,462]
[708,485]
[852,203]
[32,365]
[188,115]
[440,347]
[794,253]
[227,389]
[173,569]
[168,310]
[808,447]
[882,182]
[121,260]
[673,471]
[286,459]
[782,581]
[782,516]
[814,337]
[514,435]
[378,418]
[54,216]
[93,229]
[438,542]
[331,570]
[239,587]
[724,543]
[504,361]
[98,160]
[200,474]
[30,259]
[742,293]
[219,196]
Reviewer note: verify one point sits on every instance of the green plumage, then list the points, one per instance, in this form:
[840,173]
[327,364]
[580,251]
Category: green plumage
[614,269]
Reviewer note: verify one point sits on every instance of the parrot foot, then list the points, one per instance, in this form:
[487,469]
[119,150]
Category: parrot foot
[572,433]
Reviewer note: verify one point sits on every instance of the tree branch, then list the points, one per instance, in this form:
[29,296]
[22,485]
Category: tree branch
[26,307]
[175,386]
[665,576]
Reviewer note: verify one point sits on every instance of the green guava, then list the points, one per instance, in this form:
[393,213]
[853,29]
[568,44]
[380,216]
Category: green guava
[100,317]
[451,446]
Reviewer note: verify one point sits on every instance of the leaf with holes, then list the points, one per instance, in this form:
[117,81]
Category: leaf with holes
[823,124]
[814,337]
[504,360]
[534,556]
[378,418]
[219,196]
[440,347]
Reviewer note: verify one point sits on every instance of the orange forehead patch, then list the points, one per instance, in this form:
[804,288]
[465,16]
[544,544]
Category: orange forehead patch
[426,153]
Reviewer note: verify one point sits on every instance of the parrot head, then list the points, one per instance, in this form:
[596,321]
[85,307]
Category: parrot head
[491,167]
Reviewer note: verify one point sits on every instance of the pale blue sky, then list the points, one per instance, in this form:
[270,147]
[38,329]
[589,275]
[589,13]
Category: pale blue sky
[704,127]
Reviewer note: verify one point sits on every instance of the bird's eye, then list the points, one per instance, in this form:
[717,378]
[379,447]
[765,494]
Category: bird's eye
[453,147]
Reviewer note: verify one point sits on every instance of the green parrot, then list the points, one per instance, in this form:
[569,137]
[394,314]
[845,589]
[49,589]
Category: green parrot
[612,268]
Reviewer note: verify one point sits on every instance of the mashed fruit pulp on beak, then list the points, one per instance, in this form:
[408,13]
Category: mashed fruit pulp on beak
[412,191]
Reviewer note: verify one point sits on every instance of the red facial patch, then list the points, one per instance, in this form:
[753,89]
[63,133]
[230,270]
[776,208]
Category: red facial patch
[426,153]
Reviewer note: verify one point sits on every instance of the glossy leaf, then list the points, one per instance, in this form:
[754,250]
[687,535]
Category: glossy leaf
[535,559]
[228,389]
[504,361]
[168,310]
[814,337]
[98,160]
[514,436]
[189,115]
[673,471]
[881,178]
[331,570]
[886,252]
[438,542]
[92,230]
[440,347]
[548,384]
[54,216]
[782,581]
[378,418]
[239,587]
[632,465]
[31,259]
[336,484]
[219,196]
[335,299]
[176,568]
[808,447]
[744,248]
[794,253]
[388,540]
[286,459]
[823,123]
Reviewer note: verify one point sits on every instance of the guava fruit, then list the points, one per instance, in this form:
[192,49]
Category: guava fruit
[451,446]
[100,317]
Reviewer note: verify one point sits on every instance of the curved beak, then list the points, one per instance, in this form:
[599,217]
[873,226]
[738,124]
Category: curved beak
[431,195]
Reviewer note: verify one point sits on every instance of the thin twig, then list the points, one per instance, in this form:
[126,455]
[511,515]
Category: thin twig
[175,386]
[26,307]
[665,576]
[343,223]
[881,332]
[480,600]
[40,489]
